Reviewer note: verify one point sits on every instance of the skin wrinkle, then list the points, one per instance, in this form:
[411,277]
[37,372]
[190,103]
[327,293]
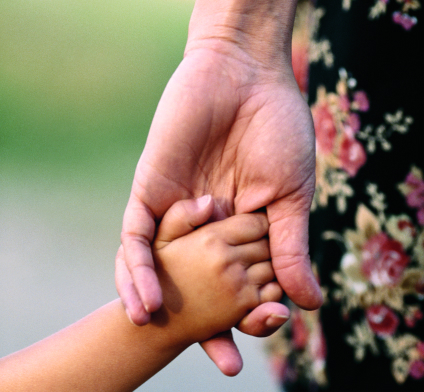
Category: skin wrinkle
[203,42]
[295,200]
[230,208]
[226,46]
[231,161]
[275,195]
[208,180]
[225,156]
[224,199]
[137,237]
[248,78]
[214,124]
[141,267]
[283,253]
[303,185]
[208,186]
[143,190]
[251,18]
[145,238]
[197,161]
[294,175]
[253,26]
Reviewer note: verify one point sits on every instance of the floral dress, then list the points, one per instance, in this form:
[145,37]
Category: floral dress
[360,64]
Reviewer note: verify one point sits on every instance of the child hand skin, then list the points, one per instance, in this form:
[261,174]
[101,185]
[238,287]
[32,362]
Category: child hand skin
[211,277]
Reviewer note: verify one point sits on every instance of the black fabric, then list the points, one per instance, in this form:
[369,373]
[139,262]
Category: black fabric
[387,62]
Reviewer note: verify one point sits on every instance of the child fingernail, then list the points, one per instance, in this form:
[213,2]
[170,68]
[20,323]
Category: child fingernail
[276,320]
[203,201]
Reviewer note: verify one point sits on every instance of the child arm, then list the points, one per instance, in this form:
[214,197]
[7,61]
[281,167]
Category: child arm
[101,352]
[210,277]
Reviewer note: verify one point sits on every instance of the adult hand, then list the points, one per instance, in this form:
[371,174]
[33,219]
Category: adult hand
[231,123]
[250,144]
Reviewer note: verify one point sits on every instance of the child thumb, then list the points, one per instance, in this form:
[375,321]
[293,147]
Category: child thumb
[183,217]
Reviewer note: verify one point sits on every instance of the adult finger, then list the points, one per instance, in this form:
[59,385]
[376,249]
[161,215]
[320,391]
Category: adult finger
[126,290]
[264,320]
[223,351]
[288,235]
[138,230]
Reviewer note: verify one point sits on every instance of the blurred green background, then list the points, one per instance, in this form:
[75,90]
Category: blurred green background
[80,80]
[79,83]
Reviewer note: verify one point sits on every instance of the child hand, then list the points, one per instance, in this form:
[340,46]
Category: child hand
[212,276]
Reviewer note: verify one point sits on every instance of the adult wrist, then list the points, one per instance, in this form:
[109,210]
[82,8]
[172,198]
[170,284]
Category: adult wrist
[259,30]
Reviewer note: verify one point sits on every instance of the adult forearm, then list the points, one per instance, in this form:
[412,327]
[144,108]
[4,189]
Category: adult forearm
[101,352]
[260,28]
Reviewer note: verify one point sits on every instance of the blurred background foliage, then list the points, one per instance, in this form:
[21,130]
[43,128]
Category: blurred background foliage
[79,83]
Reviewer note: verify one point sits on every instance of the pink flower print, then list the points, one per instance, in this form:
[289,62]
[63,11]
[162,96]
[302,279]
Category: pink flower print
[354,122]
[415,197]
[319,346]
[344,103]
[413,180]
[406,21]
[352,155]
[417,370]
[279,367]
[325,129]
[300,333]
[383,260]
[361,101]
[411,320]
[406,225]
[420,348]
[382,320]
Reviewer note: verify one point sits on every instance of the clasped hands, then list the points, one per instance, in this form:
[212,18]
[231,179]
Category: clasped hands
[227,127]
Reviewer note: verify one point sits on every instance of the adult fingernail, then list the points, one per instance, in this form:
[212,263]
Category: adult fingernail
[276,320]
[129,317]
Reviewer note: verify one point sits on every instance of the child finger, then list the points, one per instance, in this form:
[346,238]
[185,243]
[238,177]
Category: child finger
[260,273]
[182,217]
[251,253]
[264,320]
[243,228]
[270,292]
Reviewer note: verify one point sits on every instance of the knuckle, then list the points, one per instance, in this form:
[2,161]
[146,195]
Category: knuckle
[271,292]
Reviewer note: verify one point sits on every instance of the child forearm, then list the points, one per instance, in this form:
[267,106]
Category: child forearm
[101,352]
